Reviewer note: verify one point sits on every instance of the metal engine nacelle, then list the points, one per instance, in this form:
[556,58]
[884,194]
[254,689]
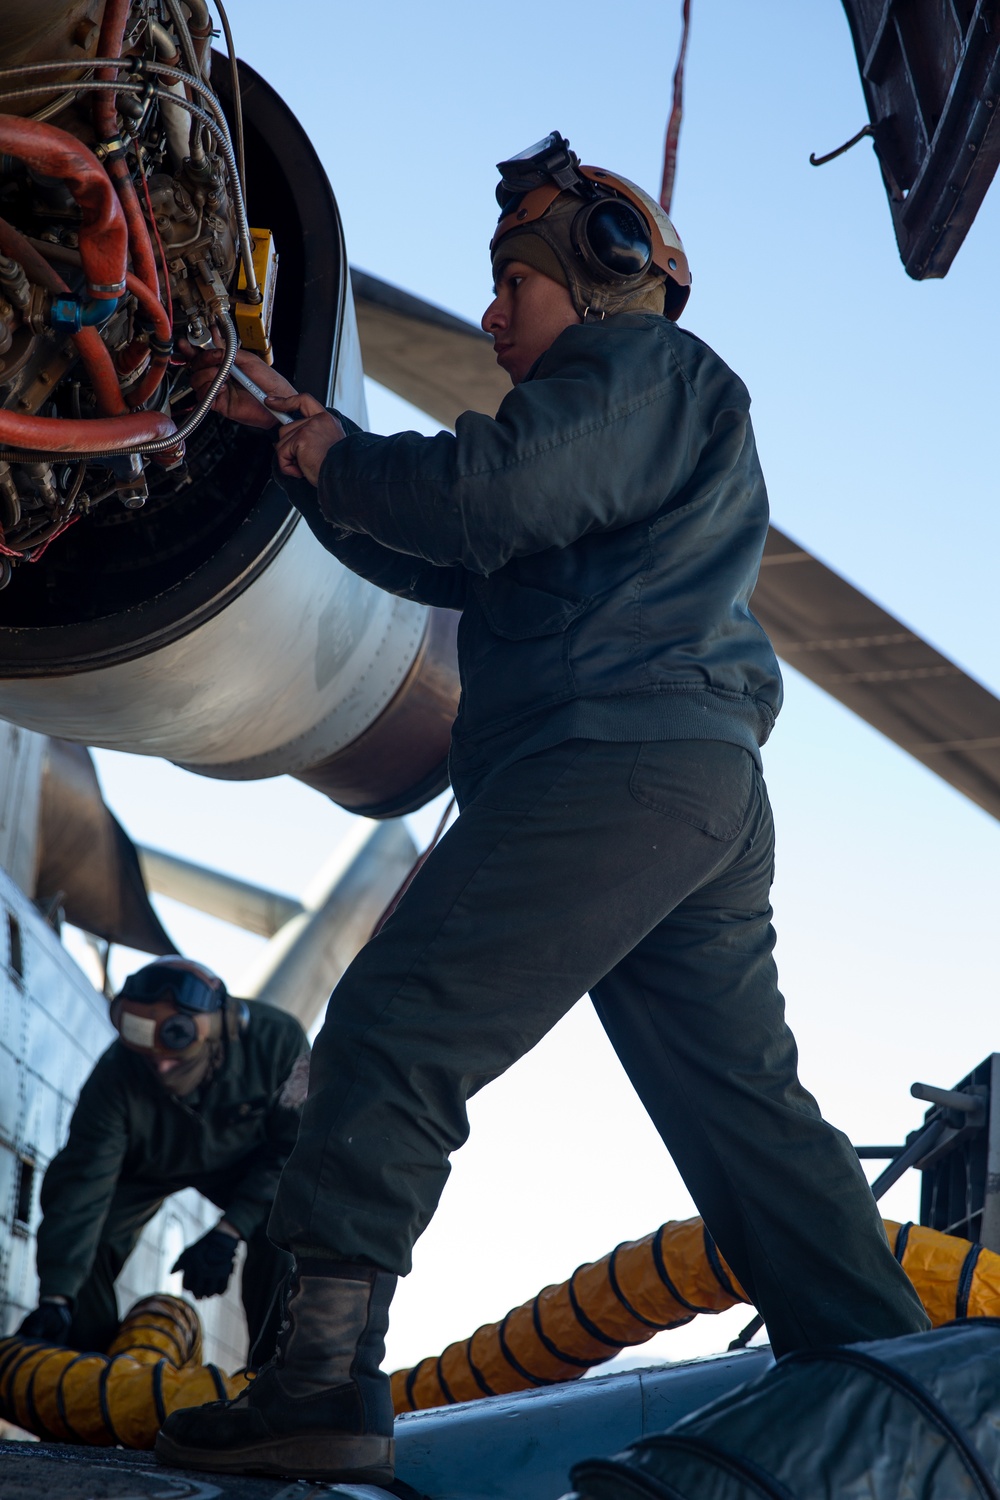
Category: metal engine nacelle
[161,596]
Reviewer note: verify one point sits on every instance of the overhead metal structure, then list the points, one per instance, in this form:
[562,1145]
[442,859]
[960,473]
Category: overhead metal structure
[87,864]
[820,624]
[252,907]
[930,70]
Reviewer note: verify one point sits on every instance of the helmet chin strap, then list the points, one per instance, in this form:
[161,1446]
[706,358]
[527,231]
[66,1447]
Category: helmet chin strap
[211,1057]
[193,1071]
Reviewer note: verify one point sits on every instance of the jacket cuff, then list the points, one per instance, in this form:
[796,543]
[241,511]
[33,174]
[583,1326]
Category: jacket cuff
[306,501]
[306,498]
[246,1218]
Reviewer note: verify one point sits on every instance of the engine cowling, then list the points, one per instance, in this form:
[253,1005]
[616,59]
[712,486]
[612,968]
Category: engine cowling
[182,609]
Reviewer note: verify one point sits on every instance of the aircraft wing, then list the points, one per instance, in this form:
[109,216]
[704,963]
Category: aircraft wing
[819,623]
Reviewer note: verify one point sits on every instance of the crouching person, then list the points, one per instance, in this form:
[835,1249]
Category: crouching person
[198,1090]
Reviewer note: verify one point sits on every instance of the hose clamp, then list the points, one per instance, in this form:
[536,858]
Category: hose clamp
[110,150]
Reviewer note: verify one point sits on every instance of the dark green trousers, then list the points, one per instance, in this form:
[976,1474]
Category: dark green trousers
[639,873]
[95,1314]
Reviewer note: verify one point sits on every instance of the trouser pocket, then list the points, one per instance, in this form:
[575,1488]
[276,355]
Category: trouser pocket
[708,784]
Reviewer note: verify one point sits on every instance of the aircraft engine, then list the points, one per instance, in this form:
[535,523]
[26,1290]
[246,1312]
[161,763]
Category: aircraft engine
[159,595]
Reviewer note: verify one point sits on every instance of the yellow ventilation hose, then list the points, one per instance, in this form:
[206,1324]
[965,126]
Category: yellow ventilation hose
[656,1283]
[122,1397]
[659,1282]
[639,1289]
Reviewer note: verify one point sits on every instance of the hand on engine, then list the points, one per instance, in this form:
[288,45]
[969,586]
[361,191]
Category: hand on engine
[232,401]
[208,1263]
[303,445]
[49,1323]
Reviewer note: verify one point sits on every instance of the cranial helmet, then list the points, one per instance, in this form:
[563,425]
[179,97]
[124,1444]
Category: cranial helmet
[176,1009]
[608,241]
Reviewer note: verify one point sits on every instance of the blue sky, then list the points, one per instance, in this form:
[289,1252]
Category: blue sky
[874,408]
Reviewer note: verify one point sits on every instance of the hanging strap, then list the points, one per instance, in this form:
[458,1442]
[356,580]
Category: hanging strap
[676,114]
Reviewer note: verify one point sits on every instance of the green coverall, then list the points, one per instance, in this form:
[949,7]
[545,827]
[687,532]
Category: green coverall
[602,538]
[132,1144]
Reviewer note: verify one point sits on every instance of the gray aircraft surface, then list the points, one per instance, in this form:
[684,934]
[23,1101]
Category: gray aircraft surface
[174,606]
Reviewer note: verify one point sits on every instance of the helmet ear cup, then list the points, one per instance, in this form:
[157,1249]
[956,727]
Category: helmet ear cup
[613,240]
[178,1032]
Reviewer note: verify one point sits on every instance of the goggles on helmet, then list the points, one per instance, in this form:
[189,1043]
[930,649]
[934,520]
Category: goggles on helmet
[549,160]
[188,986]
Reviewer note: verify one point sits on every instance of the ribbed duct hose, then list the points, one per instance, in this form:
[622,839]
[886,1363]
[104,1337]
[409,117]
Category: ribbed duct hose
[652,1284]
[151,1369]
[641,1288]
[908,1418]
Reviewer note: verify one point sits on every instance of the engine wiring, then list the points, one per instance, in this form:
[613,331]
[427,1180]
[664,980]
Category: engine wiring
[89,389]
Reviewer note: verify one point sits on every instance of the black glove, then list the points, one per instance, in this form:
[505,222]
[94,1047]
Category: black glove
[49,1323]
[208,1263]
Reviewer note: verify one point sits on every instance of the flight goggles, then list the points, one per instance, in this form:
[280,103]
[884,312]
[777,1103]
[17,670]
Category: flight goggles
[160,1029]
[546,161]
[185,988]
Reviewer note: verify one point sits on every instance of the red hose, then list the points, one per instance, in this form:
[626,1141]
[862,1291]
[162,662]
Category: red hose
[165,298]
[160,358]
[41,271]
[88,341]
[103,233]
[151,379]
[116,14]
[110,45]
[151,306]
[138,234]
[86,435]
[112,226]
[101,369]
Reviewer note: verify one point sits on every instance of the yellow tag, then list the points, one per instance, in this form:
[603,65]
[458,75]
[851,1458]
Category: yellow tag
[253,319]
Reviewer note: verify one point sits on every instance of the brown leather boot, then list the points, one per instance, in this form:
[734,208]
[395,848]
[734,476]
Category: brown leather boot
[321,1408]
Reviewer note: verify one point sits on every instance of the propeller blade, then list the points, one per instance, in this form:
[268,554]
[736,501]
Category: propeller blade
[819,623]
[868,660]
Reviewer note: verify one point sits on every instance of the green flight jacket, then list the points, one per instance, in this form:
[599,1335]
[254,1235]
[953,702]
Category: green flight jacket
[601,537]
[230,1140]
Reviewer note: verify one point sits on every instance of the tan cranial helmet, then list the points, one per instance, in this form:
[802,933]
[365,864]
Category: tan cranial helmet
[605,238]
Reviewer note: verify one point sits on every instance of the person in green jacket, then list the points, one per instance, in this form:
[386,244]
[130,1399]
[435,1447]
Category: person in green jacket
[199,1090]
[601,536]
